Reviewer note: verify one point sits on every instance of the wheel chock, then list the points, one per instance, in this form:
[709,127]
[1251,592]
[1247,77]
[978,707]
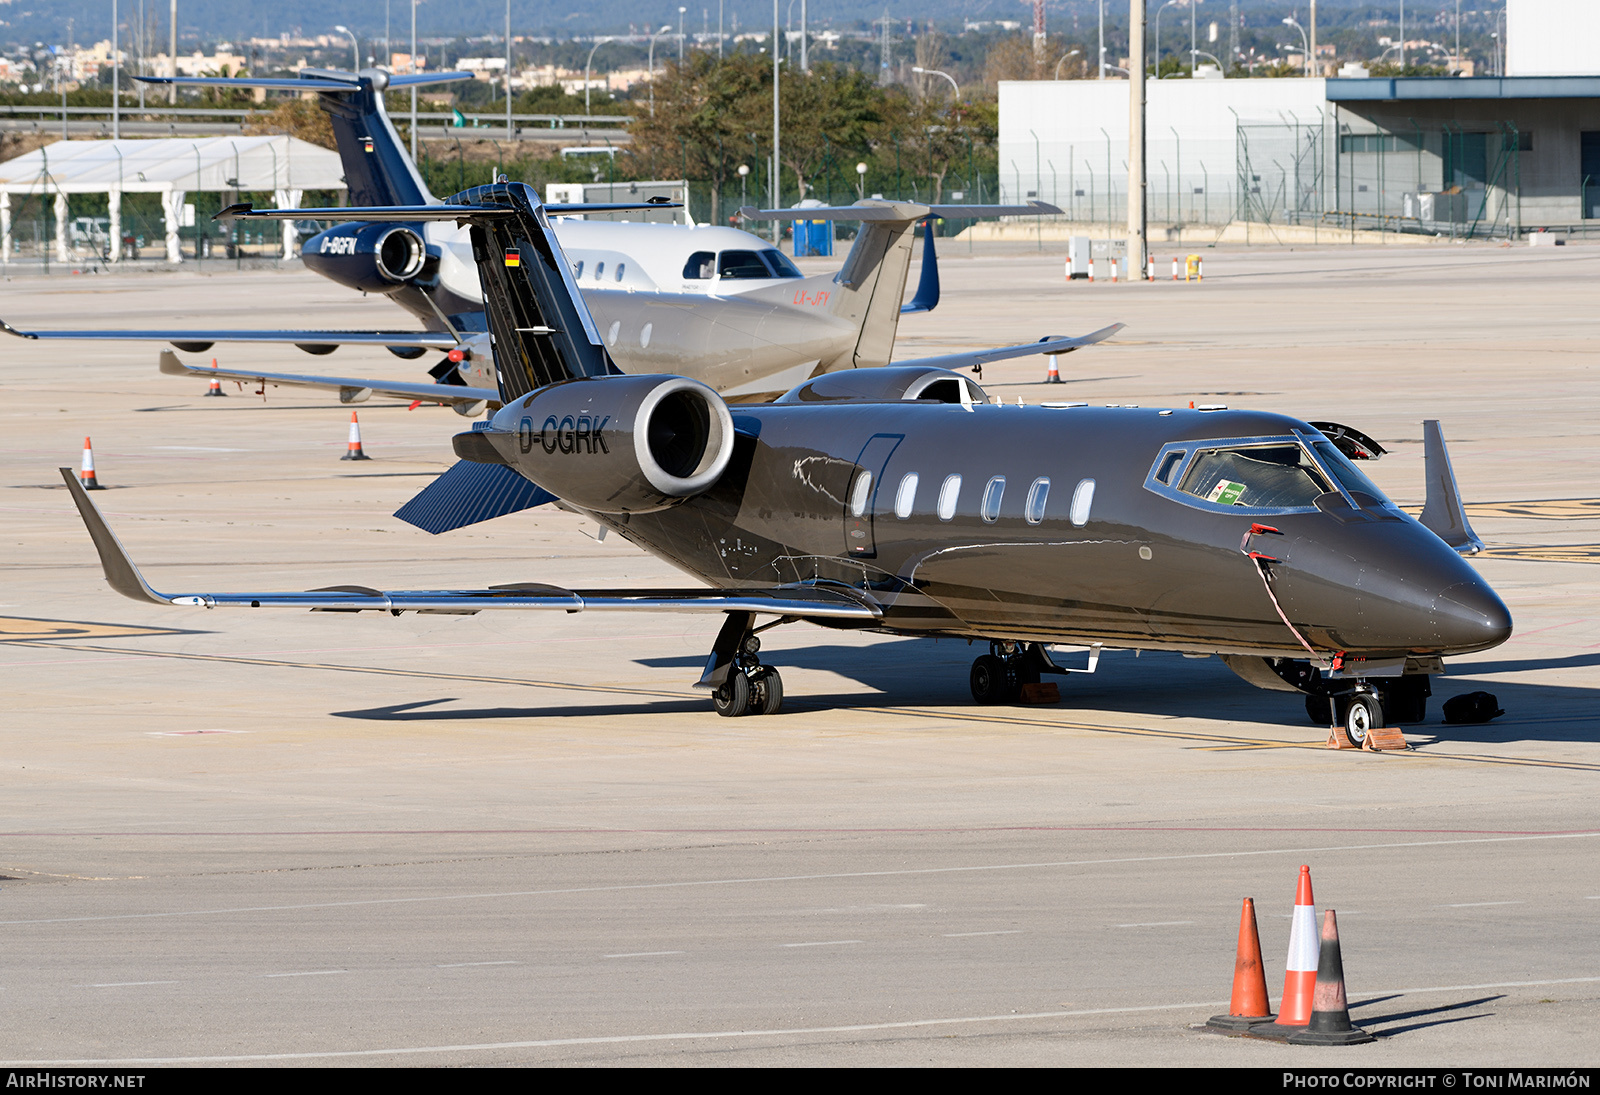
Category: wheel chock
[1046,692]
[1387,739]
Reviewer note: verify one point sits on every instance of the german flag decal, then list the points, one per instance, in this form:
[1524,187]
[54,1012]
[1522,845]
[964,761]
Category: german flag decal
[513,257]
[367,143]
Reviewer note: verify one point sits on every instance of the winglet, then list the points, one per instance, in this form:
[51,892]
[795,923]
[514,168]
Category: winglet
[927,295]
[1442,512]
[120,571]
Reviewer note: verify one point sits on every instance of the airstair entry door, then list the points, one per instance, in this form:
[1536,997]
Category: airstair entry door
[866,487]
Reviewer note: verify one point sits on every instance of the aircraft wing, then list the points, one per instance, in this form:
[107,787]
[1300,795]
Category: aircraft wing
[802,601]
[880,210]
[1048,345]
[350,389]
[202,340]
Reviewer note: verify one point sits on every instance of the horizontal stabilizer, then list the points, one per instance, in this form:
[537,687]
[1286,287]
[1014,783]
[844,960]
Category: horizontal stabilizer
[1442,511]
[351,389]
[969,359]
[246,211]
[469,493]
[895,211]
[333,80]
[203,340]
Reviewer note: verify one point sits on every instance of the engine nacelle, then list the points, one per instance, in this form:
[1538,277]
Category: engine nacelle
[618,444]
[375,258]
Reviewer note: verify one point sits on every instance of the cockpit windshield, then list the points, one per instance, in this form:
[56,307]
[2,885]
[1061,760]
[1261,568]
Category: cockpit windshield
[1271,476]
[1347,473]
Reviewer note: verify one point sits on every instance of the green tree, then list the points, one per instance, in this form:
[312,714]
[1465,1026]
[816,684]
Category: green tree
[705,112]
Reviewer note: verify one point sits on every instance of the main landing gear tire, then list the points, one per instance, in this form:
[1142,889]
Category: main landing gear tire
[757,692]
[733,698]
[993,682]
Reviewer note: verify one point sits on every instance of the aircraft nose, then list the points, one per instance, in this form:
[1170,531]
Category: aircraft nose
[1470,616]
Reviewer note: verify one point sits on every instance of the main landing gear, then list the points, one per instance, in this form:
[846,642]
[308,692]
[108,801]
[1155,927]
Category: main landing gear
[998,676]
[739,683]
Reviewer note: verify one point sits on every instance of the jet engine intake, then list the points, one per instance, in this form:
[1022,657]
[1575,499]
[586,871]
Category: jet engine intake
[375,258]
[619,444]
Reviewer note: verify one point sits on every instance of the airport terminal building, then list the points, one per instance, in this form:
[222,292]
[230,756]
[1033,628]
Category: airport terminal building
[1476,157]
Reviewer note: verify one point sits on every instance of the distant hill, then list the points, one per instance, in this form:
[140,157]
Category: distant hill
[27,21]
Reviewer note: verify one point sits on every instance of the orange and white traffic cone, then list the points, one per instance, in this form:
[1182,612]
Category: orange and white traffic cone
[1091,271]
[353,449]
[1054,375]
[1300,970]
[1248,1005]
[1174,268]
[216,385]
[1113,271]
[1330,1010]
[86,476]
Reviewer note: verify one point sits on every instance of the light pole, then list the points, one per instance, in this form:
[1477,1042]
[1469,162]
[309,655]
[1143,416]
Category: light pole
[413,86]
[1306,42]
[355,47]
[598,43]
[1102,55]
[955,91]
[776,179]
[511,133]
[1064,57]
[744,190]
[861,182]
[665,27]
[681,10]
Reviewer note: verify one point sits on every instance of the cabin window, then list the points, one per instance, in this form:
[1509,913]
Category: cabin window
[622,268]
[1169,465]
[615,330]
[906,497]
[1033,510]
[701,265]
[1274,476]
[780,265]
[949,494]
[644,336]
[599,270]
[993,491]
[742,265]
[860,494]
[577,269]
[1082,502]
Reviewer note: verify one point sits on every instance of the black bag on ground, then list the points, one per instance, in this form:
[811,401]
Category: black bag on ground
[1472,707]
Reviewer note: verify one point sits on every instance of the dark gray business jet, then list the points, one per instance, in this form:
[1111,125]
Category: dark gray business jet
[902,500]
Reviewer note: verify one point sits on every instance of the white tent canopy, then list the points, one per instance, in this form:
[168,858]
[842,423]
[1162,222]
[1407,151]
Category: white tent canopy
[171,167]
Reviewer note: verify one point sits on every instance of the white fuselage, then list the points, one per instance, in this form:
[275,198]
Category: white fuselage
[706,260]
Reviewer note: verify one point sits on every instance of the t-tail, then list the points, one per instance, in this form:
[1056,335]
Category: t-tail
[377,169]
[870,286]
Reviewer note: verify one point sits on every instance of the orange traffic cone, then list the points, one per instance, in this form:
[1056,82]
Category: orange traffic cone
[1330,1012]
[353,449]
[1249,1004]
[1054,375]
[86,476]
[1300,972]
[216,385]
